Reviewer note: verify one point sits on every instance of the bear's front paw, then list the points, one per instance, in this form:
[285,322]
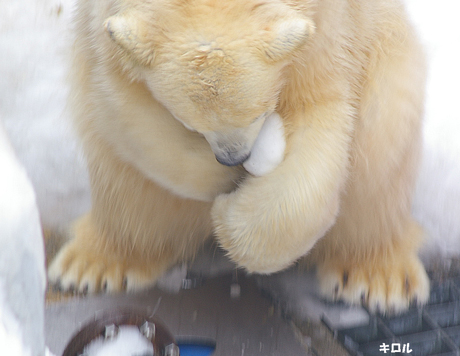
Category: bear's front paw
[229,235]
[87,270]
[387,286]
[89,263]
[251,241]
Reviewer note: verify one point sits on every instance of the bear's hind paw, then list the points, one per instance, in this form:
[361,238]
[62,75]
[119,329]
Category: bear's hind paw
[386,287]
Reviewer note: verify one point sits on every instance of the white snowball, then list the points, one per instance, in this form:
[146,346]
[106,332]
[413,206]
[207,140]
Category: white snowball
[128,342]
[268,150]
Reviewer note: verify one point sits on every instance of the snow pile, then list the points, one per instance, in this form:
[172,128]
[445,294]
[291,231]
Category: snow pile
[11,341]
[34,45]
[22,261]
[437,198]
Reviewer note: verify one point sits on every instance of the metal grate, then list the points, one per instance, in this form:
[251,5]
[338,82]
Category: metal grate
[433,330]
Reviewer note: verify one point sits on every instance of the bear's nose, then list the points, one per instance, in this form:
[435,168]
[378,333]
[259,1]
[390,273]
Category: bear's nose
[231,160]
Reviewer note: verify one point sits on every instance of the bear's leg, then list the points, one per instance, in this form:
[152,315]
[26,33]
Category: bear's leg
[271,221]
[386,279]
[370,254]
[134,232]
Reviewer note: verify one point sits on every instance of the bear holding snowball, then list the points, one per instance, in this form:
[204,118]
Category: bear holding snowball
[288,129]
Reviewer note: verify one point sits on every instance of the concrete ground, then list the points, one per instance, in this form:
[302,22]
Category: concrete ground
[244,325]
[219,303]
[274,315]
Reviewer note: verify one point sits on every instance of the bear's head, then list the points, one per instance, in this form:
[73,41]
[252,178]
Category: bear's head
[216,65]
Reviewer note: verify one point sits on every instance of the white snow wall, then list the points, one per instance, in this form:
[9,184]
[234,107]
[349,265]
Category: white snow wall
[22,261]
[34,45]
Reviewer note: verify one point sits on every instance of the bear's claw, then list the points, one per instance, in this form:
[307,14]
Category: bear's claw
[382,286]
[85,271]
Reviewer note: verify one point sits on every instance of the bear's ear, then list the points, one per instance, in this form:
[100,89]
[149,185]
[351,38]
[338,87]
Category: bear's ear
[128,31]
[288,35]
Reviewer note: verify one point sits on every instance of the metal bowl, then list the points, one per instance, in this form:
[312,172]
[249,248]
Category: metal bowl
[106,326]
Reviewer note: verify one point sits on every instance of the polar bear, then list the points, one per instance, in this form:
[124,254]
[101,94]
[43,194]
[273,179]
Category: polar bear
[170,97]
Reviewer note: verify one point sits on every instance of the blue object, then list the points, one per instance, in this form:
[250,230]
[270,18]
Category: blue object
[190,348]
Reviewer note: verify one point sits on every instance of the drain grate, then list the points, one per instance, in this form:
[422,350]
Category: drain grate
[433,330]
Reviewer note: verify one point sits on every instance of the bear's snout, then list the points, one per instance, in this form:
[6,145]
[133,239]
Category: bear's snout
[231,160]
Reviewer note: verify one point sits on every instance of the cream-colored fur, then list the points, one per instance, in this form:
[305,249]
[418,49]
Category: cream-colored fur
[163,88]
